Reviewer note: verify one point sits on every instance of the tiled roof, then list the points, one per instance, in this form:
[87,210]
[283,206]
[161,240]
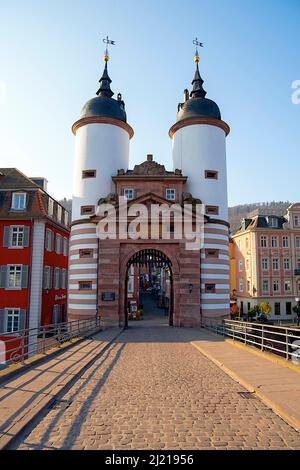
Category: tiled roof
[11,178]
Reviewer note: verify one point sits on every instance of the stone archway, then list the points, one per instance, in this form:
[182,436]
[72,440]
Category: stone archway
[126,253]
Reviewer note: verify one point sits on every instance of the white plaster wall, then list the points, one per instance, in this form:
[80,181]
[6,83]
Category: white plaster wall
[100,147]
[197,148]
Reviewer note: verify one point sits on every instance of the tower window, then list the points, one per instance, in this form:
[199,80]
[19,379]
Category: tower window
[211,253]
[88,174]
[211,174]
[87,210]
[213,210]
[85,285]
[85,253]
[129,193]
[170,194]
[210,288]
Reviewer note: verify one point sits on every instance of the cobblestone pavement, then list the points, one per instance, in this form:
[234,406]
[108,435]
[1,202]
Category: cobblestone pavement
[154,390]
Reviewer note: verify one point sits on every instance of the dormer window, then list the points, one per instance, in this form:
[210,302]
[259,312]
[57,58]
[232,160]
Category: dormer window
[170,194]
[129,193]
[50,206]
[296,221]
[59,212]
[273,222]
[18,201]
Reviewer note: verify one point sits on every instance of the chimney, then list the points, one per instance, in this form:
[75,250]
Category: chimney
[149,157]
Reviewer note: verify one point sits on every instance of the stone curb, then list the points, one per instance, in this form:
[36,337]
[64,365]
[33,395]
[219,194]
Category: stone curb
[294,423]
[40,406]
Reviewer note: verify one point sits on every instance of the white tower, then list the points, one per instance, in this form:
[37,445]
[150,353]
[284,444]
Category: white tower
[199,150]
[102,147]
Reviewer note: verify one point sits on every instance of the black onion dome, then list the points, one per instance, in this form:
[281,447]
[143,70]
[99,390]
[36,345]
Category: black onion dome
[197,105]
[104,105]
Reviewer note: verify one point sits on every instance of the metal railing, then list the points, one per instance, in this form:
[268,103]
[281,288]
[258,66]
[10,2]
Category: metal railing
[281,340]
[20,345]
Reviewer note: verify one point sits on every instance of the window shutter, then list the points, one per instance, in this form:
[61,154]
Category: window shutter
[45,278]
[3,277]
[2,321]
[60,278]
[51,241]
[22,322]
[24,281]
[6,236]
[26,236]
[51,278]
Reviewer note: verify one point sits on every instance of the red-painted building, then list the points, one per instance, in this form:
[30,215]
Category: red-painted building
[34,235]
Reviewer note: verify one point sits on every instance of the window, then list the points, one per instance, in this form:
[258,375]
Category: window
[247,264]
[285,242]
[88,174]
[87,210]
[17,236]
[241,285]
[65,246]
[58,244]
[273,222]
[59,213]
[56,278]
[297,240]
[265,264]
[298,263]
[287,264]
[170,194]
[211,253]
[49,240]
[275,264]
[277,308]
[47,277]
[265,286]
[56,314]
[211,174]
[274,242]
[129,193]
[86,253]
[50,206]
[240,265]
[63,278]
[287,286]
[85,285]
[248,285]
[14,276]
[213,210]
[288,308]
[12,320]
[296,221]
[66,217]
[18,201]
[276,286]
[263,241]
[210,288]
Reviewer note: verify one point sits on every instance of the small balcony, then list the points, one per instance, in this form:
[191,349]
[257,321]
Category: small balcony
[297,272]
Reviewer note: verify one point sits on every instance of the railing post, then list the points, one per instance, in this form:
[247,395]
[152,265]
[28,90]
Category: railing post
[287,344]
[59,335]
[44,341]
[262,338]
[23,345]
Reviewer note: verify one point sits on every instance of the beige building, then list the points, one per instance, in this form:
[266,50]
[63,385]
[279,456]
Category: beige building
[265,262]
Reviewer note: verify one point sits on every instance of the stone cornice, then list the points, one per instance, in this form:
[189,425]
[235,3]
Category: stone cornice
[102,120]
[201,120]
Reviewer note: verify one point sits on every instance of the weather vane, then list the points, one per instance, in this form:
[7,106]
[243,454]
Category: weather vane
[107,41]
[197,43]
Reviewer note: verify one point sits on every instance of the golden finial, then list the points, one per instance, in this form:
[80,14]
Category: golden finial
[107,41]
[196,56]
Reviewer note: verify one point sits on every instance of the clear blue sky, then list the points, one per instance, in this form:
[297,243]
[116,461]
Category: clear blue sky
[51,59]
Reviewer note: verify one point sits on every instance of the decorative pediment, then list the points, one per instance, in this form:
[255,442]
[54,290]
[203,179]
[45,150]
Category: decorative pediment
[149,168]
